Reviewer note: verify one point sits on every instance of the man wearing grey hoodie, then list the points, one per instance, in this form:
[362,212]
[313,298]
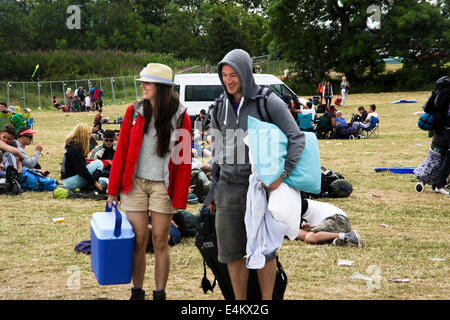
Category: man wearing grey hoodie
[231,162]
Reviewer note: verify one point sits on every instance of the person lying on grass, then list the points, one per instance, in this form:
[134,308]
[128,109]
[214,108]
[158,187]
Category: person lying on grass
[325,223]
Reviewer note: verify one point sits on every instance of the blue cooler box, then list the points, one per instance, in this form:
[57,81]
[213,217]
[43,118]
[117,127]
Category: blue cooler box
[112,242]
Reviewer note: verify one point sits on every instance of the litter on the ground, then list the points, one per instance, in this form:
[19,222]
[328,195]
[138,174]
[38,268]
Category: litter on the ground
[58,220]
[359,276]
[374,195]
[384,225]
[342,262]
[400,280]
[436,259]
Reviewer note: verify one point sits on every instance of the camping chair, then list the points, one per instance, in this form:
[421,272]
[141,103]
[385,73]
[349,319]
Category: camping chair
[30,123]
[372,130]
[305,122]
[324,127]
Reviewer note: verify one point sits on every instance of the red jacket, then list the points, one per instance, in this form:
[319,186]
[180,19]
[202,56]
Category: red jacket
[177,173]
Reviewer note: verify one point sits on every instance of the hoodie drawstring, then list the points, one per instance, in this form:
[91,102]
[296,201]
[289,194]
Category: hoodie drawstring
[237,115]
[226,112]
[239,109]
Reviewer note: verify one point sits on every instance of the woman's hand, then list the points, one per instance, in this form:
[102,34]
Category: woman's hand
[98,186]
[111,199]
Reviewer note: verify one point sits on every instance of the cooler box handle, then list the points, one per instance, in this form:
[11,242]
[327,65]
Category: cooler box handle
[118,226]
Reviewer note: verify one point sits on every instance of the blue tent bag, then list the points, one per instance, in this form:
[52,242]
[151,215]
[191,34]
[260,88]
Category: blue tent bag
[34,181]
[426,121]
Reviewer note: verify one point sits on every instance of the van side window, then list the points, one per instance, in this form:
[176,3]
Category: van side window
[283,92]
[202,93]
[177,89]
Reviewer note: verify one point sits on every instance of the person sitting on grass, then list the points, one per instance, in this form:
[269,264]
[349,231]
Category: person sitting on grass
[97,131]
[98,116]
[366,123]
[325,223]
[25,138]
[107,149]
[75,172]
[56,104]
[17,120]
[12,155]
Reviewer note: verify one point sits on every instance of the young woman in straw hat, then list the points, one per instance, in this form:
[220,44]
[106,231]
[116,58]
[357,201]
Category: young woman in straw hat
[151,171]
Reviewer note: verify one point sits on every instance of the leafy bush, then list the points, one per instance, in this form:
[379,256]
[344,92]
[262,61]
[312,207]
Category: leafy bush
[77,64]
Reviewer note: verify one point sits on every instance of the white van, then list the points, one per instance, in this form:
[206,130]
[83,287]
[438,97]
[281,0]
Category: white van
[197,91]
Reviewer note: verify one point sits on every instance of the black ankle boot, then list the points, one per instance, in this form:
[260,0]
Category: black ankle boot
[159,295]
[137,294]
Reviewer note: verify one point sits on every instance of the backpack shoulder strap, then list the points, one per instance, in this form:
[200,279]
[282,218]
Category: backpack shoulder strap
[215,107]
[261,102]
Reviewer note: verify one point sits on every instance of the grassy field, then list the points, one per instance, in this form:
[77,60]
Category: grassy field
[37,260]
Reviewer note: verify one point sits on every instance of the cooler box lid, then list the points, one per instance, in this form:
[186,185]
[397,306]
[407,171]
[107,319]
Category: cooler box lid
[103,224]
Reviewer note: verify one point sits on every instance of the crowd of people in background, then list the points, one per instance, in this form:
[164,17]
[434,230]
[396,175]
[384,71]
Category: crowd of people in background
[80,100]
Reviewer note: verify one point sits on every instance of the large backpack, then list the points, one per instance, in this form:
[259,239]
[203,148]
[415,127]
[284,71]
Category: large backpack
[9,181]
[206,242]
[333,185]
[34,181]
[438,102]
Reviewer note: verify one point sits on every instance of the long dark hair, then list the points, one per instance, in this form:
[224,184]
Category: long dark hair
[166,105]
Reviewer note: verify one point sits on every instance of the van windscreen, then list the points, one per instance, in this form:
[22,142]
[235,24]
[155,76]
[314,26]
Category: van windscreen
[202,93]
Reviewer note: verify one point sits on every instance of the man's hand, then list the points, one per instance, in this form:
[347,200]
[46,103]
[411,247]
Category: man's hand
[305,225]
[274,184]
[39,147]
[212,206]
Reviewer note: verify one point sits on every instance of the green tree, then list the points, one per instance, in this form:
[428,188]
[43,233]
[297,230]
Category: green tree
[180,34]
[228,26]
[15,31]
[420,33]
[321,36]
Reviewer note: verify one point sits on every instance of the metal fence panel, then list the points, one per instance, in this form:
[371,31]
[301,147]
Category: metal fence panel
[116,90]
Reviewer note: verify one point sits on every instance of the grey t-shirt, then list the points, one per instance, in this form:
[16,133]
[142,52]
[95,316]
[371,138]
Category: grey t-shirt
[150,166]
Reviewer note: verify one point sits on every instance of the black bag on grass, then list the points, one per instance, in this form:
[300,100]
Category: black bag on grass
[10,182]
[333,185]
[206,242]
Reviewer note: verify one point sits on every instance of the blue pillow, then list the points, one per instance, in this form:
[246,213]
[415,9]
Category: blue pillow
[268,150]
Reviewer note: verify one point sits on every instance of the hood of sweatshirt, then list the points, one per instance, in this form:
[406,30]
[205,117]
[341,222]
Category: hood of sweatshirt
[241,62]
